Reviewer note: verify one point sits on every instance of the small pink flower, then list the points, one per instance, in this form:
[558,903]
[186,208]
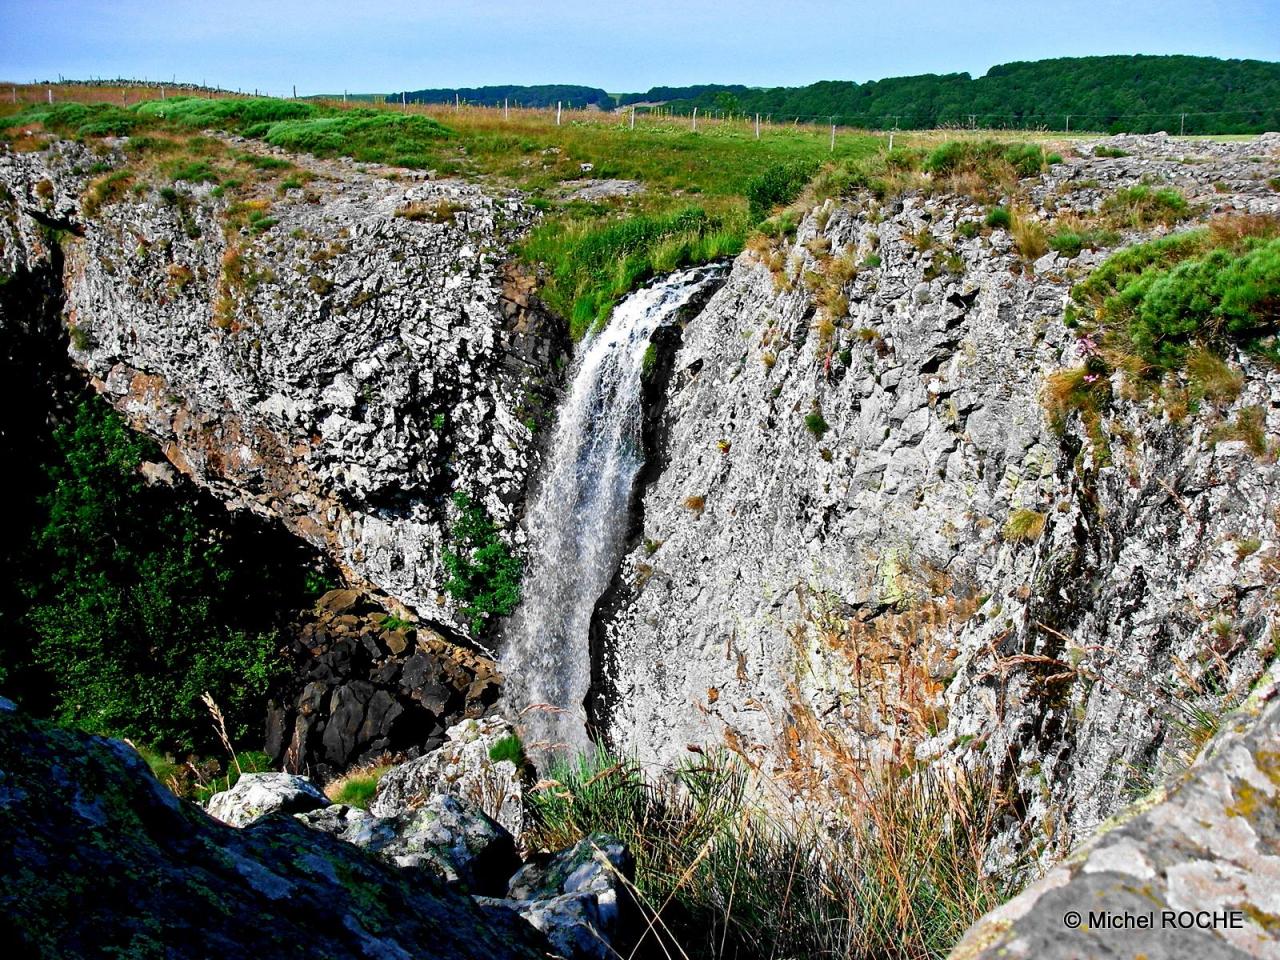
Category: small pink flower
[1090,378]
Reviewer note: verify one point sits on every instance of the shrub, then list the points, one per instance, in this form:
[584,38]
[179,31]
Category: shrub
[141,610]
[778,185]
[1025,526]
[816,424]
[1029,238]
[484,575]
[367,135]
[999,218]
[1109,152]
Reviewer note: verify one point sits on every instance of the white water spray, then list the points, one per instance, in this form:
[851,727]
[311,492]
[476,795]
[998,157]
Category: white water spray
[578,519]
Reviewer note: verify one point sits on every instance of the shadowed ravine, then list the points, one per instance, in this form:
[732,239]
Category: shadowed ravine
[578,519]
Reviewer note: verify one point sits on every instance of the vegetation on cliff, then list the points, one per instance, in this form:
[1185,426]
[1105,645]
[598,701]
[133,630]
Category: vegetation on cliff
[138,599]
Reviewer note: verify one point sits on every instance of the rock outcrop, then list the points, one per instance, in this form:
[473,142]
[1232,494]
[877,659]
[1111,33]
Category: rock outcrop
[258,795]
[827,549]
[364,685]
[465,766]
[100,859]
[343,368]
[1194,872]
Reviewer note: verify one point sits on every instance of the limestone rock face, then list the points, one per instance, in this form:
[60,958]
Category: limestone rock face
[101,859]
[345,370]
[445,834]
[255,795]
[462,767]
[1174,861]
[826,549]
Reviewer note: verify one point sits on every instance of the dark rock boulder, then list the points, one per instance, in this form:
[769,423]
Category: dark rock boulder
[364,686]
[99,859]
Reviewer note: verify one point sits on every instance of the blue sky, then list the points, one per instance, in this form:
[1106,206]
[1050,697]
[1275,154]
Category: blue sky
[323,46]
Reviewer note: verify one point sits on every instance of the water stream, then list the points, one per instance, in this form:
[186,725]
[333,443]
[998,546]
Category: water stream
[579,516]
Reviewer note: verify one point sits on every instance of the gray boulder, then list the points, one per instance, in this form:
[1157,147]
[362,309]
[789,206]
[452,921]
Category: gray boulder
[462,767]
[576,897]
[255,795]
[446,835]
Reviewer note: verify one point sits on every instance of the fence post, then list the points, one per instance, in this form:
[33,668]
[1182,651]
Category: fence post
[833,138]
[633,116]
[161,91]
[404,102]
[1182,125]
[757,126]
[891,141]
[295,91]
[504,108]
[558,106]
[344,96]
[695,119]
[50,92]
[1068,123]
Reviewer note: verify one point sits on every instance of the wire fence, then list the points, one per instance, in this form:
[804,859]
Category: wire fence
[1195,122]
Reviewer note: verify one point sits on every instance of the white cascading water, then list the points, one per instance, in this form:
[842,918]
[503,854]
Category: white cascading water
[578,519]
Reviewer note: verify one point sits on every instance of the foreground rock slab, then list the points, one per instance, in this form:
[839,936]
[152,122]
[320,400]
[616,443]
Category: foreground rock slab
[99,859]
[1193,874]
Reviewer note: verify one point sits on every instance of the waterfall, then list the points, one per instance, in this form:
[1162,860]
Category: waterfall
[579,515]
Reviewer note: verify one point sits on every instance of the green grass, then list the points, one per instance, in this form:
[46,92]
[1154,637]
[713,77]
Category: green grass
[591,263]
[508,748]
[356,788]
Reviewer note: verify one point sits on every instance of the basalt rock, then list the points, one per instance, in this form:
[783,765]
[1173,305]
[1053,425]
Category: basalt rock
[365,685]
[257,795]
[345,370]
[1191,871]
[827,549]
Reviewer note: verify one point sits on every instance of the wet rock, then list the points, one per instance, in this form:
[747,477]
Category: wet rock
[255,795]
[461,767]
[445,835]
[100,859]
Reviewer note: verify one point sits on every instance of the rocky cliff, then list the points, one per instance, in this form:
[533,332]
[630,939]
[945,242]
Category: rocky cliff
[344,364]
[858,534]
[827,560]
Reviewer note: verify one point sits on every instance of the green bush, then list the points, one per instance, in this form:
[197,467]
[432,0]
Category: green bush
[981,156]
[231,113]
[484,575]
[1210,287]
[778,185]
[139,615]
[999,218]
[816,424]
